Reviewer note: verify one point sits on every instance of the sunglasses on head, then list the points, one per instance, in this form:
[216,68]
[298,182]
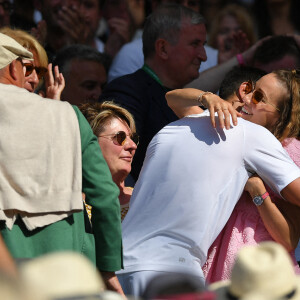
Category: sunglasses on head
[119,138]
[257,96]
[29,67]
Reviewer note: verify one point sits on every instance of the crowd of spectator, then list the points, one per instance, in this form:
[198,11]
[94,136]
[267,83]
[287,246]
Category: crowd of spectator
[149,149]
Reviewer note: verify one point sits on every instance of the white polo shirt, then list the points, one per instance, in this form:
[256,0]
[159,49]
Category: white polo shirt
[191,179]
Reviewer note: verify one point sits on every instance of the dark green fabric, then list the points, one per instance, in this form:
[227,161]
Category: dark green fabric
[70,233]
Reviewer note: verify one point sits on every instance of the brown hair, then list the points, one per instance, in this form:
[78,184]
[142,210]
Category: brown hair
[243,19]
[99,114]
[288,124]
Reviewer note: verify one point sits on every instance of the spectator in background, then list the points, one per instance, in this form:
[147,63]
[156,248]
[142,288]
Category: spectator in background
[280,52]
[62,25]
[277,52]
[276,17]
[173,45]
[124,19]
[37,71]
[85,72]
[115,129]
[231,32]
[130,58]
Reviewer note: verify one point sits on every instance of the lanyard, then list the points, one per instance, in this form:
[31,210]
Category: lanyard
[151,73]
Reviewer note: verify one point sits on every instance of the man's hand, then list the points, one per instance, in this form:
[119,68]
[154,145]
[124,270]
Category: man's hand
[112,283]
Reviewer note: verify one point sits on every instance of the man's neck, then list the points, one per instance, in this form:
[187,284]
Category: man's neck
[163,74]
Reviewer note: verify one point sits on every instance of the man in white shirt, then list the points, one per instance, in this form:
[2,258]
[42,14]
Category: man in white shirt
[191,179]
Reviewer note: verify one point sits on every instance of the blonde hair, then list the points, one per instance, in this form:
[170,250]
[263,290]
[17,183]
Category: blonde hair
[99,114]
[242,17]
[29,42]
[288,124]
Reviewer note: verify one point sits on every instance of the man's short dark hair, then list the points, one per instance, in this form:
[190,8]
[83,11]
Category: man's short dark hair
[275,48]
[80,52]
[235,77]
[165,22]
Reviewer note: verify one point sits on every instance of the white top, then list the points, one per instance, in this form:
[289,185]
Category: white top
[130,58]
[191,179]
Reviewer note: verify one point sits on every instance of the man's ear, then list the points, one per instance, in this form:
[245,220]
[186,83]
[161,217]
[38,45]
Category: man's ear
[13,70]
[241,90]
[161,48]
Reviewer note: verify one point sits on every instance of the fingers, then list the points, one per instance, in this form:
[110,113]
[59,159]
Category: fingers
[226,113]
[50,80]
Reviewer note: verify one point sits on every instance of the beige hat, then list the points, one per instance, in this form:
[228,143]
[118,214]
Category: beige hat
[264,269]
[61,275]
[11,50]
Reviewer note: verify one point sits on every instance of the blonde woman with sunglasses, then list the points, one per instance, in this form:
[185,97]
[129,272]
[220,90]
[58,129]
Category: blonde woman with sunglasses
[37,70]
[115,128]
[260,214]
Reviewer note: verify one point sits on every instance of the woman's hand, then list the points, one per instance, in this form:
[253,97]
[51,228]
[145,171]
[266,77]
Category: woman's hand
[186,101]
[223,108]
[54,84]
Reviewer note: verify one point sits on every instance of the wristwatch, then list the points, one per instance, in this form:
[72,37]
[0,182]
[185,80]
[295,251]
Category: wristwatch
[259,199]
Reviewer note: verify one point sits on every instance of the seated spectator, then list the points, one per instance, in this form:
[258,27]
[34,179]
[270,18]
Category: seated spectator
[130,57]
[37,71]
[84,70]
[265,270]
[115,129]
[232,31]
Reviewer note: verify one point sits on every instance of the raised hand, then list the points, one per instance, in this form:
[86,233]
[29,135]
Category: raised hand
[54,83]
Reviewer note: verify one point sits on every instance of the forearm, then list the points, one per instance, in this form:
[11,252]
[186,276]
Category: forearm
[278,226]
[184,101]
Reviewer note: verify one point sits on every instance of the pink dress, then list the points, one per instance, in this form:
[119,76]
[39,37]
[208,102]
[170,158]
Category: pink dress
[244,227]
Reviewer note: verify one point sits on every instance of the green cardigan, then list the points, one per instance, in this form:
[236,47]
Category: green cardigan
[70,233]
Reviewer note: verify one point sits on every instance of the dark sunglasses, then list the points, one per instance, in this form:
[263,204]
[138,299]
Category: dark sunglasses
[40,71]
[257,96]
[119,138]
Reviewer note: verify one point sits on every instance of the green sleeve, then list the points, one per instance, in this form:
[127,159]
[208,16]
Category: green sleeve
[102,194]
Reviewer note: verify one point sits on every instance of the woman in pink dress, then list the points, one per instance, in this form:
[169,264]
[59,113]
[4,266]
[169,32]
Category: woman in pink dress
[274,219]
[246,226]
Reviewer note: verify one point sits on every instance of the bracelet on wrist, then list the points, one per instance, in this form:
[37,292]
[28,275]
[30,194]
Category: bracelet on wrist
[200,98]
